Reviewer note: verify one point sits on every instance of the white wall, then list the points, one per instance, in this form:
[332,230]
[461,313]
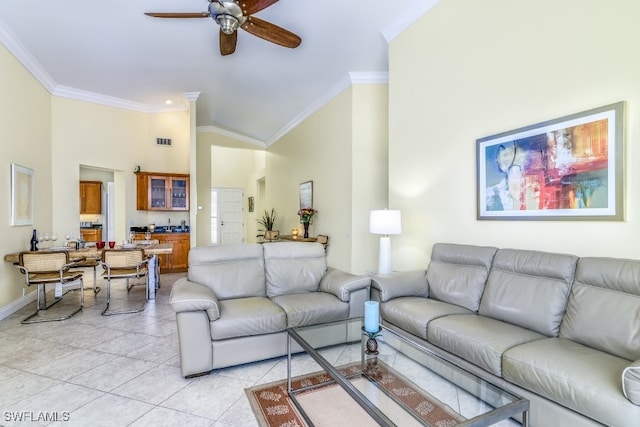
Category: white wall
[25,135]
[116,140]
[342,148]
[471,69]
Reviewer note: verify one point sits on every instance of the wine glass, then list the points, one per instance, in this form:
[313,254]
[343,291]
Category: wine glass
[54,238]
[45,238]
[147,236]
[132,235]
[67,238]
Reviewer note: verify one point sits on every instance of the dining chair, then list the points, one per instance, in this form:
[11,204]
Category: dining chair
[156,263]
[91,263]
[127,264]
[49,268]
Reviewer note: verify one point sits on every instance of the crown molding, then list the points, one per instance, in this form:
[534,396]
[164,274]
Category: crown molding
[112,101]
[230,134]
[373,77]
[410,15]
[13,45]
[191,96]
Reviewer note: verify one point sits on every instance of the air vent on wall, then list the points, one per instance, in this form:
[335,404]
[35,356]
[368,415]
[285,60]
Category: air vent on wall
[163,141]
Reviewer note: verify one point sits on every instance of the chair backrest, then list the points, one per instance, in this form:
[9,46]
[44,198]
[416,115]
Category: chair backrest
[231,271]
[604,306]
[122,258]
[44,261]
[293,267]
[457,274]
[529,289]
[149,242]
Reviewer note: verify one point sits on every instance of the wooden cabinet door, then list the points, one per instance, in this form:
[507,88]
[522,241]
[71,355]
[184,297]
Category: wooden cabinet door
[91,234]
[178,261]
[180,255]
[162,192]
[91,197]
[179,193]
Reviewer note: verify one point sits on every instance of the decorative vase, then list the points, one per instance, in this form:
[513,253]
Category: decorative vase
[306,229]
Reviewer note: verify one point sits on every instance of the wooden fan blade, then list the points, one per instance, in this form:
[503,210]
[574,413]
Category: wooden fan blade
[249,7]
[228,43]
[270,32]
[179,14]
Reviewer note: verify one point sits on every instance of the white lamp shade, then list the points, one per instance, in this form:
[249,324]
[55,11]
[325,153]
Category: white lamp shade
[385,221]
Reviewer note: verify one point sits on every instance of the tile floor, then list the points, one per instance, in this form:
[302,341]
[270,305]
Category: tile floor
[119,370]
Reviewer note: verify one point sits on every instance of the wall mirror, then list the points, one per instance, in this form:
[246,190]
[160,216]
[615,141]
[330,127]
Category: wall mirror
[306,195]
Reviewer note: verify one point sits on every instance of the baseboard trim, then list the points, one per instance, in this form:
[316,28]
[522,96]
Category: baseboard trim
[16,305]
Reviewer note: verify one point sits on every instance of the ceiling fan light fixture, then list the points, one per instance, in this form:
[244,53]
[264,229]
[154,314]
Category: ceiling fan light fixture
[228,23]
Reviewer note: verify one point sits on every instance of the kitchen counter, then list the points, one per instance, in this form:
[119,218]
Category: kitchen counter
[162,229]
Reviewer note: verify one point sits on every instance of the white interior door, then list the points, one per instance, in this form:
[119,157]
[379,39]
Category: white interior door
[227,216]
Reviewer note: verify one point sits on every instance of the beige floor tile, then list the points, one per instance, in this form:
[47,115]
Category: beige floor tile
[153,386]
[112,374]
[163,417]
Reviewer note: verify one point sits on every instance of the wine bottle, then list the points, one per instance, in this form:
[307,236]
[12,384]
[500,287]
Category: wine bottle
[34,241]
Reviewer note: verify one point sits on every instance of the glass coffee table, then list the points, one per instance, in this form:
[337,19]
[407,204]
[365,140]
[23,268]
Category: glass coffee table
[394,381]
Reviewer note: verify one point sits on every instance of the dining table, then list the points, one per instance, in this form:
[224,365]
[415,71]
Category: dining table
[95,253]
[92,252]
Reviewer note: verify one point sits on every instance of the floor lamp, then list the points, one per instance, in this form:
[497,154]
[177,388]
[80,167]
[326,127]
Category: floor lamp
[385,222]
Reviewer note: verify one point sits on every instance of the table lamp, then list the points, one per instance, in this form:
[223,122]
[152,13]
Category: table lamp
[385,222]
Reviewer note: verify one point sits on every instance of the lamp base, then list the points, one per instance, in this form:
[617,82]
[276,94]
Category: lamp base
[384,260]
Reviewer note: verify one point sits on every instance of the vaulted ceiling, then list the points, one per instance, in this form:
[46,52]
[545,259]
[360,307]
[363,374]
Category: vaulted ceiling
[112,53]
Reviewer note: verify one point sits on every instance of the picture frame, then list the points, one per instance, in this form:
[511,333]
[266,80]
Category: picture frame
[570,168]
[22,195]
[306,195]
[251,204]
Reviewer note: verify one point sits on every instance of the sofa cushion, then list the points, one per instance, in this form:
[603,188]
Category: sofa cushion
[611,288]
[413,314]
[479,340]
[576,376]
[457,273]
[293,267]
[243,317]
[231,271]
[529,289]
[311,308]
[631,382]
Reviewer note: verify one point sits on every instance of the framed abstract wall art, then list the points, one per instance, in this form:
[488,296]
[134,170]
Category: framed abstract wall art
[569,168]
[22,195]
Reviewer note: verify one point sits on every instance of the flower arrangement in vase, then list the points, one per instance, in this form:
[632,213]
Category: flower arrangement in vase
[306,217]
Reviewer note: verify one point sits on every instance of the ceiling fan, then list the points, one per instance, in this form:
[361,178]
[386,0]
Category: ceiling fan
[231,15]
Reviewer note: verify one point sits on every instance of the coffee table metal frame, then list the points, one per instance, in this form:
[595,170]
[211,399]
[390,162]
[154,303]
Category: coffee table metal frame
[519,405]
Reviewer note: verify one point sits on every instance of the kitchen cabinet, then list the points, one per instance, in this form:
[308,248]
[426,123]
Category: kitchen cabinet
[91,197]
[162,191]
[178,260]
[91,234]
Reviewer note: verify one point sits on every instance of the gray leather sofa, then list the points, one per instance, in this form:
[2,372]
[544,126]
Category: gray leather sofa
[237,301]
[560,330]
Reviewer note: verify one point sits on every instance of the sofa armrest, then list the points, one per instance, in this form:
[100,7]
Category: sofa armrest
[400,284]
[341,283]
[631,382]
[191,296]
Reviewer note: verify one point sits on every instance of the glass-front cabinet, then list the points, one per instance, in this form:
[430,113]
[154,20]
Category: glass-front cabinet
[162,192]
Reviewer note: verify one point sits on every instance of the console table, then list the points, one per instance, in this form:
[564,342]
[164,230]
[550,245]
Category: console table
[298,238]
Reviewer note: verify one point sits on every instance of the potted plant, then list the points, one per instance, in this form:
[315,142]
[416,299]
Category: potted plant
[267,221]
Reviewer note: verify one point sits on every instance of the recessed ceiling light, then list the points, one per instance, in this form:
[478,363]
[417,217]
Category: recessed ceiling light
[168,101]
